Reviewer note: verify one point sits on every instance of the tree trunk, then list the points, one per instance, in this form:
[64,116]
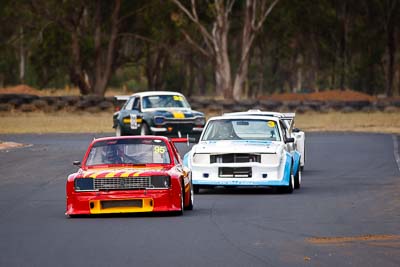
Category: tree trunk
[247,39]
[76,73]
[391,49]
[104,71]
[190,75]
[240,79]
[343,44]
[333,75]
[163,66]
[222,67]
[299,76]
[223,77]
[398,82]
[98,68]
[21,56]
[156,62]
[217,41]
[252,24]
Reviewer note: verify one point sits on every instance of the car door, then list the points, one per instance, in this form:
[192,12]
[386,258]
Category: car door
[134,113]
[129,110]
[125,110]
[290,147]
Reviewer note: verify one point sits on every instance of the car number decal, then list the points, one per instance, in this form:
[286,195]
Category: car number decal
[159,149]
[133,121]
[178,98]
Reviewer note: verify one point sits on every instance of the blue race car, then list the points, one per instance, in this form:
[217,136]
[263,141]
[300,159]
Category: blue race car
[160,113]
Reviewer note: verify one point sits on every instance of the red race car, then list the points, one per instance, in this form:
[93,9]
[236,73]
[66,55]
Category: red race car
[130,174]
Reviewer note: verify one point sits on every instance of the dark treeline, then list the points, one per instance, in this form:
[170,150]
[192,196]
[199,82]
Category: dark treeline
[235,49]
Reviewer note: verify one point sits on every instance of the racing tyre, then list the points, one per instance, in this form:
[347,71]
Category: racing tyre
[72,216]
[145,129]
[118,131]
[297,179]
[180,212]
[288,189]
[191,198]
[302,167]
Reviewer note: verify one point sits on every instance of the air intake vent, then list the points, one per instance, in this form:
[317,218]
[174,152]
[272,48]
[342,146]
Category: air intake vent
[239,172]
[235,158]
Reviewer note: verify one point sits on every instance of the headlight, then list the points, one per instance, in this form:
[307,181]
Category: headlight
[201,158]
[159,120]
[269,159]
[160,181]
[84,184]
[200,121]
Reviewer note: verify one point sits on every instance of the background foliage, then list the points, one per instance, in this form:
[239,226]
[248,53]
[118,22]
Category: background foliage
[307,45]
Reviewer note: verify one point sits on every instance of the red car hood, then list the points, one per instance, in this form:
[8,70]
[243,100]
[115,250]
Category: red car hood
[123,172]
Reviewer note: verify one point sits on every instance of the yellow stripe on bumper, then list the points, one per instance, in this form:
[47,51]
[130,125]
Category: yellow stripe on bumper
[121,206]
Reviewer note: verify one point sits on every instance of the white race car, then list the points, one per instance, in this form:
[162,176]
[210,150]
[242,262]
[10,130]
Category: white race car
[288,119]
[245,150]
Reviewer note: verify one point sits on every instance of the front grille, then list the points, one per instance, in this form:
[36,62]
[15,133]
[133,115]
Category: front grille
[121,183]
[187,127]
[234,172]
[235,158]
[182,120]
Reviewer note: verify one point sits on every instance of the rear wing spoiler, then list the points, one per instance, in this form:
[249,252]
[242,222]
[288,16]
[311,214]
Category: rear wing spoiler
[186,140]
[122,97]
[289,118]
[289,115]
[121,100]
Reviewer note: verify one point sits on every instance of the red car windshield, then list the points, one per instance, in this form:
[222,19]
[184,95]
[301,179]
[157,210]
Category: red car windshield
[128,151]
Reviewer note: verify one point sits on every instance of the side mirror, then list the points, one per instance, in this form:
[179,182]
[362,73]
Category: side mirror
[290,140]
[77,163]
[296,130]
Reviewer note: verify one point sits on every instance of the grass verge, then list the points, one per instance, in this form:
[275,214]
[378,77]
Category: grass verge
[63,122]
[60,122]
[376,122]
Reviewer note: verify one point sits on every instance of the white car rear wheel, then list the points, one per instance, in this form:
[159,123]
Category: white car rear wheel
[297,179]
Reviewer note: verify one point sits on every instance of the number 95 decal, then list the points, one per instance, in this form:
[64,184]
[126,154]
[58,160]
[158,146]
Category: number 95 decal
[160,149]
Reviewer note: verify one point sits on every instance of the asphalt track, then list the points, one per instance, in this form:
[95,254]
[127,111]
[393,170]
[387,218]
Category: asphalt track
[347,213]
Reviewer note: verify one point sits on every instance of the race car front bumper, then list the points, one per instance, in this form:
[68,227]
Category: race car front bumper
[122,201]
[241,174]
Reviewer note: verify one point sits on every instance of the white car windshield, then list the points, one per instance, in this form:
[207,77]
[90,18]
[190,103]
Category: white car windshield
[128,151]
[241,129]
[164,101]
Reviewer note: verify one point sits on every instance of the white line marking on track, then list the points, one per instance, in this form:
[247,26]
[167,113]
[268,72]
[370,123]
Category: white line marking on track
[396,150]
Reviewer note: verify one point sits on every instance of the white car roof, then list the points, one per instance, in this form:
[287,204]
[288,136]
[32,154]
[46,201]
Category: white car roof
[262,113]
[238,116]
[151,93]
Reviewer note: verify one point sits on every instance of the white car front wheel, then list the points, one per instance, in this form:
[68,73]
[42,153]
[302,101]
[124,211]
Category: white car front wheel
[144,130]
[118,131]
[297,179]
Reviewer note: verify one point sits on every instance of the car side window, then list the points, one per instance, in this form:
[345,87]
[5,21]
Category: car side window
[285,132]
[129,104]
[177,158]
[136,104]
